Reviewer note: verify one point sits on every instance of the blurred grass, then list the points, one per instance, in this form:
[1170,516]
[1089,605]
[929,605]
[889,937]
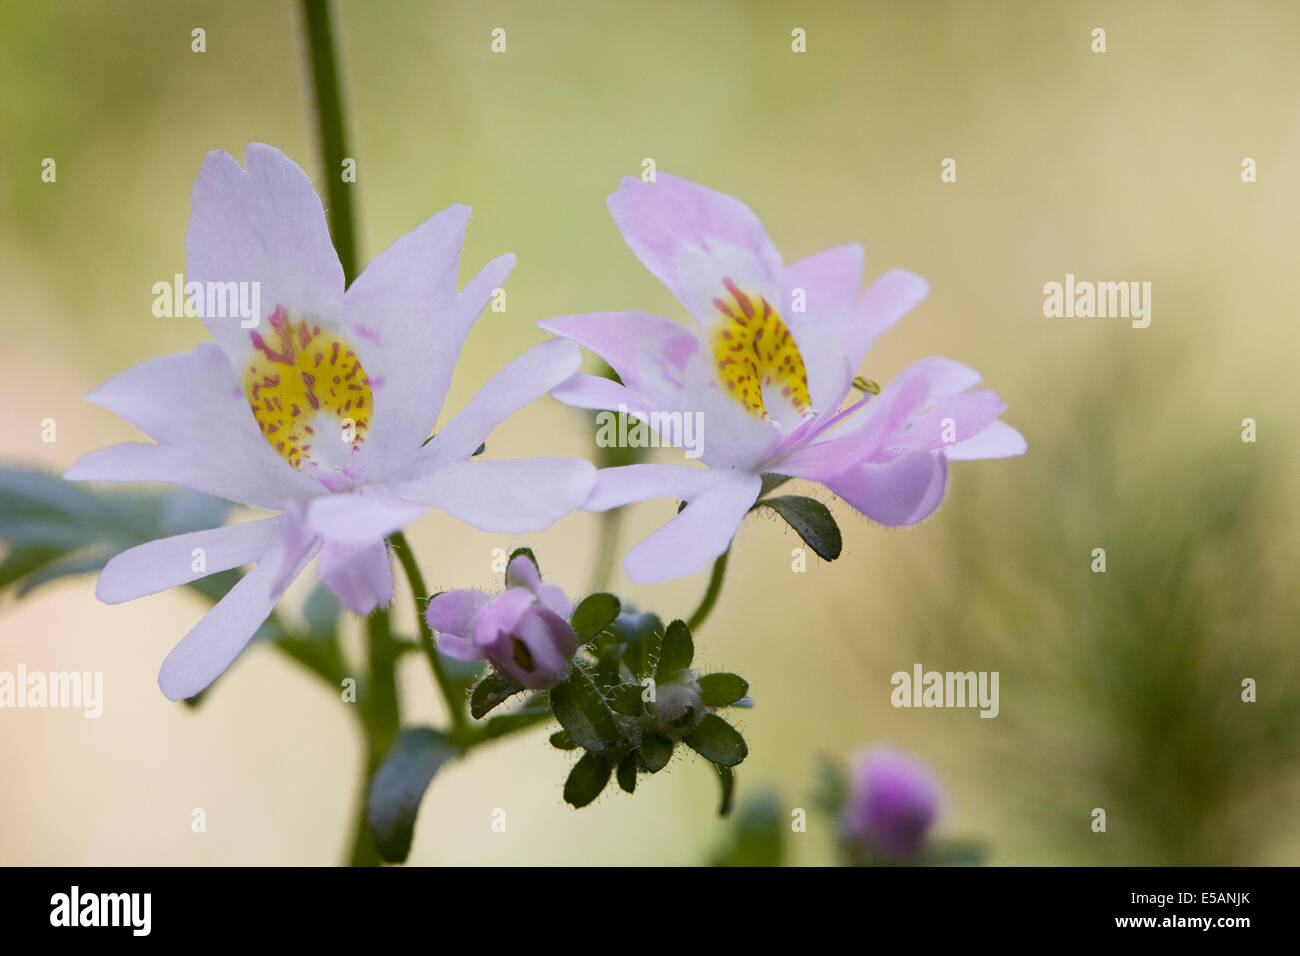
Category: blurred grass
[1119,690]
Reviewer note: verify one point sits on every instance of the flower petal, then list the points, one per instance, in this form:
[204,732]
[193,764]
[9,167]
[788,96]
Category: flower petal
[524,380]
[213,644]
[452,612]
[830,281]
[409,320]
[625,484]
[191,403]
[361,575]
[691,237]
[886,301]
[697,535]
[265,225]
[169,562]
[897,493]
[508,496]
[361,517]
[998,440]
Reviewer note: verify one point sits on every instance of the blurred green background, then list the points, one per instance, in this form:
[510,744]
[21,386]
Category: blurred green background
[1118,690]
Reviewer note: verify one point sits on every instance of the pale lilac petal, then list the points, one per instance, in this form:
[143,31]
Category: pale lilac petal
[691,237]
[263,224]
[408,320]
[553,598]
[886,301]
[212,646]
[524,380]
[998,440]
[594,391]
[897,493]
[651,355]
[192,404]
[361,575]
[510,496]
[698,535]
[963,415]
[360,517]
[452,612]
[169,562]
[616,487]
[522,573]
[501,614]
[830,281]
[461,648]
[551,644]
[912,393]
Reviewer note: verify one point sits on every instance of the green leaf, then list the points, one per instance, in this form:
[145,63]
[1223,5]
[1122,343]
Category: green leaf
[656,751]
[399,785]
[527,553]
[641,634]
[563,740]
[492,690]
[583,712]
[482,447]
[722,690]
[727,780]
[626,700]
[813,522]
[627,774]
[586,780]
[594,614]
[715,739]
[677,652]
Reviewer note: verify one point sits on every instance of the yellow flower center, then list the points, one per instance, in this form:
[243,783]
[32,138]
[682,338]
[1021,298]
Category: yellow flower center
[756,357]
[308,392]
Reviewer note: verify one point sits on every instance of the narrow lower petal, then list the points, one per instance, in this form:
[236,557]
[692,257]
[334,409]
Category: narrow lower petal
[521,382]
[212,646]
[616,487]
[510,496]
[361,575]
[361,517]
[170,562]
[409,319]
[696,536]
[897,493]
[997,440]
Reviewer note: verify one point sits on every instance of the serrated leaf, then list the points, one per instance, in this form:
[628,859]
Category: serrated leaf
[722,690]
[595,613]
[563,740]
[677,652]
[492,690]
[656,751]
[627,774]
[715,739]
[813,522]
[586,780]
[583,712]
[626,700]
[399,785]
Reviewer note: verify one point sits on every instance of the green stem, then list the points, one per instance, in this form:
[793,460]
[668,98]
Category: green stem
[333,135]
[455,702]
[711,595]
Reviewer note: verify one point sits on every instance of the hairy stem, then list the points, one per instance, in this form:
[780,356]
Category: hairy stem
[455,702]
